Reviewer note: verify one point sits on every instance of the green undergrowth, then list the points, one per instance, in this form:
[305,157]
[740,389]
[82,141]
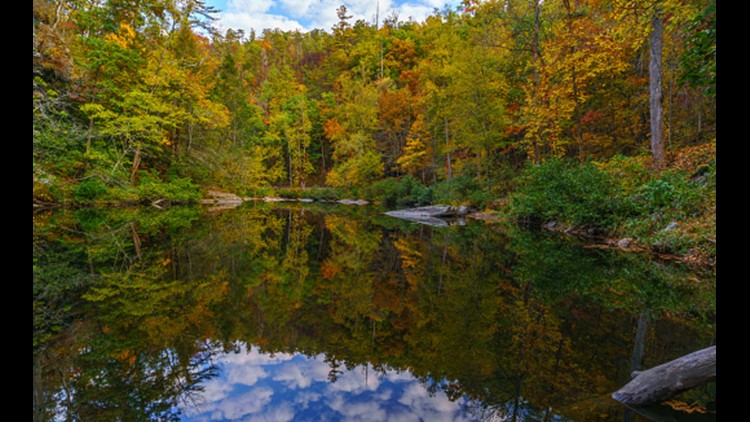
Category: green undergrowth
[669,211]
[393,192]
[99,189]
[408,191]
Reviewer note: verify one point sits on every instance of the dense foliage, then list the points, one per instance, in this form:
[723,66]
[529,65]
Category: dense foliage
[670,211]
[147,93]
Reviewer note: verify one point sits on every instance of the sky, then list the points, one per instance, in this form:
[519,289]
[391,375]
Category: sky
[305,15]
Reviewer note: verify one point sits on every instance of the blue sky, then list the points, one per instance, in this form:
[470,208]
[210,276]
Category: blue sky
[306,15]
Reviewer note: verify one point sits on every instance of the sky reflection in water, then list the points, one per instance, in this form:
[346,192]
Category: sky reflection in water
[255,386]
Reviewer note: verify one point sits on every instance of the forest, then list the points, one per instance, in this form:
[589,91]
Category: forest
[140,100]
[594,118]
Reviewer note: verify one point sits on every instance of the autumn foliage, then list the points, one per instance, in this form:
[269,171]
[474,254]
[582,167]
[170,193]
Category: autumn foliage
[476,92]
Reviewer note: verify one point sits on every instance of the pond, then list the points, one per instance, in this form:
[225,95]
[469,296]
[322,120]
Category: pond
[331,312]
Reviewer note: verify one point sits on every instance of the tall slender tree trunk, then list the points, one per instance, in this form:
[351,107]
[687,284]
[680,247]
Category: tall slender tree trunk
[577,118]
[447,150]
[136,163]
[655,75]
[536,58]
[639,345]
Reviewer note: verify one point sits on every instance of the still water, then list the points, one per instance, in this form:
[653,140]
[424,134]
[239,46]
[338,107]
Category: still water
[330,312]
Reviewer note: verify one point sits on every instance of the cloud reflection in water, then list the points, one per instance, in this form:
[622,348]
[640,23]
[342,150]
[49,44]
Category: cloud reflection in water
[254,386]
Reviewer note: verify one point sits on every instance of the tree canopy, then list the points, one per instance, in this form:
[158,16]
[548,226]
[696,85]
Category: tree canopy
[151,89]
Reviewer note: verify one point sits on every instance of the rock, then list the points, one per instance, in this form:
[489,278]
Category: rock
[435,215]
[671,226]
[462,210]
[222,197]
[625,242]
[217,201]
[306,200]
[353,202]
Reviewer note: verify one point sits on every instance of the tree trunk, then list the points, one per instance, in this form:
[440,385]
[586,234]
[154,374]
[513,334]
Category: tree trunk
[136,163]
[639,345]
[536,58]
[669,379]
[655,74]
[447,150]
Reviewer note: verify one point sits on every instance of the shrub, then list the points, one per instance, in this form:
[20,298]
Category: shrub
[461,190]
[672,197]
[177,189]
[672,194]
[89,190]
[567,192]
[406,191]
[288,193]
[322,194]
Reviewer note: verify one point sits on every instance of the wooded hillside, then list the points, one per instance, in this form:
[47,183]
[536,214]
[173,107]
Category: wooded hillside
[142,98]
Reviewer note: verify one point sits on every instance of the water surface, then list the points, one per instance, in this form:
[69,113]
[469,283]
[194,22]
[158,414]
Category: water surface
[329,312]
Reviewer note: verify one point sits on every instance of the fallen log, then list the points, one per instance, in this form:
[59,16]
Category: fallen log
[669,379]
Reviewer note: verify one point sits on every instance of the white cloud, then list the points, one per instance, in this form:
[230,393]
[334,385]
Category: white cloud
[254,357]
[297,8]
[432,408]
[356,381]
[416,12]
[245,374]
[399,376]
[384,395]
[282,412]
[306,15]
[367,411]
[404,416]
[249,6]
[245,404]
[304,398]
[215,390]
[258,22]
[301,373]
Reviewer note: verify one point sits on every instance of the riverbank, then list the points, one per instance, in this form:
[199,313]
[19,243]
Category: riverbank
[619,203]
[622,203]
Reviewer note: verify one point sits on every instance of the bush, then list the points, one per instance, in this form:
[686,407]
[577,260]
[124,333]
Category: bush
[568,192]
[461,190]
[259,191]
[672,194]
[672,197]
[289,193]
[404,192]
[89,190]
[322,194]
[177,189]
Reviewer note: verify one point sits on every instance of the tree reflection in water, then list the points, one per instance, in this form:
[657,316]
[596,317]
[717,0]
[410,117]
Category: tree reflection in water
[137,311]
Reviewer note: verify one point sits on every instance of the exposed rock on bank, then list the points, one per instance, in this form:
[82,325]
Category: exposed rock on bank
[224,200]
[436,215]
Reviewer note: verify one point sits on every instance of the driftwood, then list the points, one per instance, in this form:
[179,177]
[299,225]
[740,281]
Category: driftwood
[669,379]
